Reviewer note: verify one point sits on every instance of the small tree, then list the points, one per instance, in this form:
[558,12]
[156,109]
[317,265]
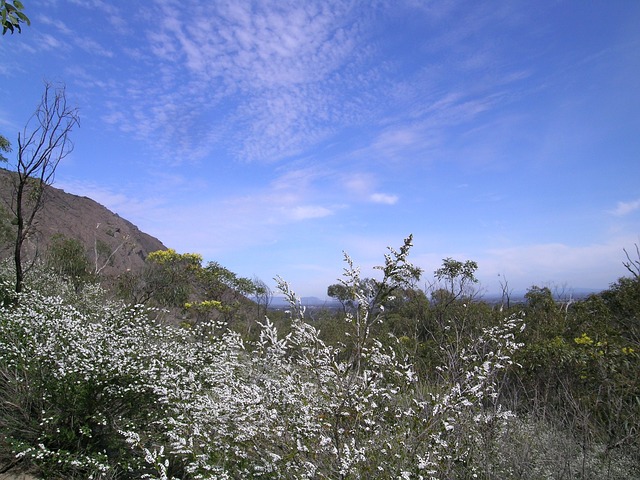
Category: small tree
[41,145]
[169,277]
[344,295]
[458,277]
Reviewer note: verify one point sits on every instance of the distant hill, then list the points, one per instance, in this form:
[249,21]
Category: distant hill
[104,234]
[281,303]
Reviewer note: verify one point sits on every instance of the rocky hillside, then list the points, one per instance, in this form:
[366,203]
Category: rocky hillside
[113,244]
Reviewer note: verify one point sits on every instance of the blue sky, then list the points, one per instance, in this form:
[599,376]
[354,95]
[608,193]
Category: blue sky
[271,136]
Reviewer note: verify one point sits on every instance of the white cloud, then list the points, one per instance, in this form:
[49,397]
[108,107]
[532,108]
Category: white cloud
[56,23]
[362,186]
[397,138]
[625,208]
[271,65]
[384,198]
[304,212]
[93,47]
[49,42]
[359,183]
[579,266]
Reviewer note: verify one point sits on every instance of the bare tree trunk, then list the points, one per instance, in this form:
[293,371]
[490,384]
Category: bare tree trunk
[19,238]
[41,145]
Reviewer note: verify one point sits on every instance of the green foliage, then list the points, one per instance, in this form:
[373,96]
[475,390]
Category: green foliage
[217,280]
[68,258]
[166,281]
[5,147]
[7,234]
[190,294]
[622,301]
[168,276]
[457,276]
[580,366]
[342,294]
[12,16]
[540,299]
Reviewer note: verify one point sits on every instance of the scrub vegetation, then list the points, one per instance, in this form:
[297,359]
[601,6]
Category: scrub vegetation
[168,375]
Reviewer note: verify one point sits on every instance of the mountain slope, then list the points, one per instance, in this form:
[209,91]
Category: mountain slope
[113,244]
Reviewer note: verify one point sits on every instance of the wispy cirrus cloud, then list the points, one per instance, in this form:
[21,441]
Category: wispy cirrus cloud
[625,208]
[268,80]
[93,47]
[304,212]
[363,187]
[261,75]
[65,37]
[113,13]
[384,198]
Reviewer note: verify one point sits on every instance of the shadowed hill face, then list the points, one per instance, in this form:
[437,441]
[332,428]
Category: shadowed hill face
[112,243]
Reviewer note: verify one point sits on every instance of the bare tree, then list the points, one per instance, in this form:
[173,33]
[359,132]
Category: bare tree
[262,294]
[506,293]
[633,265]
[41,145]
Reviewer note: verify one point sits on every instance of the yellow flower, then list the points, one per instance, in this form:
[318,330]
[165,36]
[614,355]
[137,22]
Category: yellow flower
[583,339]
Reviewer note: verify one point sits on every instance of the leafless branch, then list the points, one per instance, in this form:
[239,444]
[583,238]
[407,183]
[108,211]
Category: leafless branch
[633,265]
[42,144]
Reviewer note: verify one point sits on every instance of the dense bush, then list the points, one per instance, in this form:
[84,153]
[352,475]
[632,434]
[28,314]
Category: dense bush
[96,388]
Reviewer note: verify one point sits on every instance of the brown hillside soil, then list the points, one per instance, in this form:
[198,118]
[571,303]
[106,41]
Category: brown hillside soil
[83,219]
[16,476]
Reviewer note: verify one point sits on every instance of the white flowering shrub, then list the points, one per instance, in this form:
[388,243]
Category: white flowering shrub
[95,389]
[72,379]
